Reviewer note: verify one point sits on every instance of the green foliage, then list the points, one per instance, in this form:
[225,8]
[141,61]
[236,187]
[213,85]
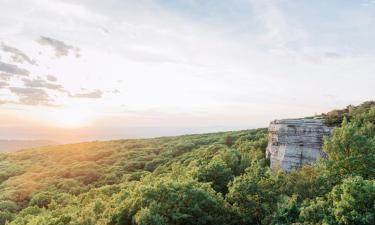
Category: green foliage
[253,195]
[41,199]
[229,141]
[305,183]
[76,168]
[218,173]
[287,211]
[221,169]
[336,117]
[6,205]
[351,202]
[351,148]
[219,178]
[6,216]
[171,202]
[89,183]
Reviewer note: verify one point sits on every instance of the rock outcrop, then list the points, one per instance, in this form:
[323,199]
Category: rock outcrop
[294,142]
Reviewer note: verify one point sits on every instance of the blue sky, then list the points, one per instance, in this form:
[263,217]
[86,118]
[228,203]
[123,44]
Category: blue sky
[92,69]
[342,24]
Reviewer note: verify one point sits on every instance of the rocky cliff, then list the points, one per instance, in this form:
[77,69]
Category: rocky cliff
[294,142]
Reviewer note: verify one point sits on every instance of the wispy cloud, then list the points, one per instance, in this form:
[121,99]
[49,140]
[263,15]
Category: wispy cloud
[116,91]
[32,96]
[51,78]
[40,83]
[93,94]
[60,47]
[3,84]
[13,69]
[277,31]
[5,76]
[17,55]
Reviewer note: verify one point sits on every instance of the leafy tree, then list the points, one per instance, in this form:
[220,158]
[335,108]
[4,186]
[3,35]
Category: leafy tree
[6,216]
[352,202]
[287,211]
[337,116]
[351,150]
[229,141]
[233,159]
[7,205]
[41,199]
[171,202]
[218,173]
[253,195]
[316,212]
[307,182]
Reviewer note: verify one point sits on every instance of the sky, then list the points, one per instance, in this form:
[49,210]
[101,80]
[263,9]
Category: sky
[95,70]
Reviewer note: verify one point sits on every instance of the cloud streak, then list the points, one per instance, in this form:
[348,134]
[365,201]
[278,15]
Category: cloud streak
[31,96]
[3,84]
[40,83]
[278,33]
[61,48]
[93,94]
[17,55]
[5,76]
[13,69]
[51,78]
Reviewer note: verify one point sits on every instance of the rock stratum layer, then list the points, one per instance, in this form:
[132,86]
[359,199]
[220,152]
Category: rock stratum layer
[295,142]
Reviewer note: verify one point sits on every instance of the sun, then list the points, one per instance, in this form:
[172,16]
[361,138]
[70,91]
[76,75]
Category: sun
[69,117]
[72,120]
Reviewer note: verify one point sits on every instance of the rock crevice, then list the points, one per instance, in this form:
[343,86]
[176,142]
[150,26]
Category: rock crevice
[295,142]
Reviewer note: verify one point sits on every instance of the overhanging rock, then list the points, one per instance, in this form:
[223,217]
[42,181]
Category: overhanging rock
[294,142]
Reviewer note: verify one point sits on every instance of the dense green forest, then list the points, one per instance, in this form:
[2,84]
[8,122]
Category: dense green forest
[219,178]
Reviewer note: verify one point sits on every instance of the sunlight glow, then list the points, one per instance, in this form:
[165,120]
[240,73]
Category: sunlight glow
[69,118]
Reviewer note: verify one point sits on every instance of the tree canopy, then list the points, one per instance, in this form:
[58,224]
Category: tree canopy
[218,178]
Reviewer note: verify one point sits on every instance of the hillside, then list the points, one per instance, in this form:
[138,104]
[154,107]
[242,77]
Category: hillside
[14,145]
[218,178]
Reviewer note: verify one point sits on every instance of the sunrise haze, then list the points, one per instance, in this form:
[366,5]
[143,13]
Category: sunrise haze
[93,70]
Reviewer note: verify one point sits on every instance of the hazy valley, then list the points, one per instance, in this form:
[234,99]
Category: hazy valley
[14,145]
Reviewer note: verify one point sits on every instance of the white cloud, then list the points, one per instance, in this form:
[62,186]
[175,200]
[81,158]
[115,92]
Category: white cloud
[17,55]
[93,94]
[13,69]
[60,47]
[173,64]
[31,96]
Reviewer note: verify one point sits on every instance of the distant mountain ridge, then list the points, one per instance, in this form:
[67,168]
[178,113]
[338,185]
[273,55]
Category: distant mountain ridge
[14,145]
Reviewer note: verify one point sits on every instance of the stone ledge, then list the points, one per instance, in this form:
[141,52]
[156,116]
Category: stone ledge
[293,142]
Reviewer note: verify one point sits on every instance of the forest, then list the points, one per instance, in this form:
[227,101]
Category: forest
[218,178]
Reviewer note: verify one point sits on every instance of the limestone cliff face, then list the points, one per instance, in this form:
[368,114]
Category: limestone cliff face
[294,142]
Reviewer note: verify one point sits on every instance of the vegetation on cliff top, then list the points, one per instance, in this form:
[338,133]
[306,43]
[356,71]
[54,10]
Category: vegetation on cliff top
[336,117]
[220,178]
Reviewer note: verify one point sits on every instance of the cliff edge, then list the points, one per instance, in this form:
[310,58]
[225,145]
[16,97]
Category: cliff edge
[294,142]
